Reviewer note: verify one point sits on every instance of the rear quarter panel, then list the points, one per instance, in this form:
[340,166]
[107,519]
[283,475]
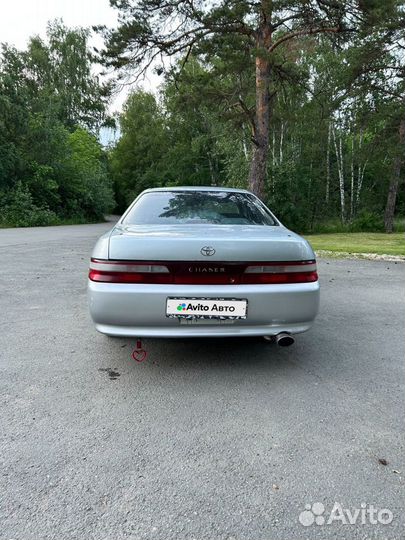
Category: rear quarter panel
[101,249]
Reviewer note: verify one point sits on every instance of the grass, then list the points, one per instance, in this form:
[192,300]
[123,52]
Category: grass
[378,243]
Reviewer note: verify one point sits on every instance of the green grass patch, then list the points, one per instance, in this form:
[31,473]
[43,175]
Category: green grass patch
[378,243]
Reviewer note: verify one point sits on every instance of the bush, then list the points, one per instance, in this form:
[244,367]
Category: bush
[18,210]
[364,222]
[399,224]
[367,222]
[331,226]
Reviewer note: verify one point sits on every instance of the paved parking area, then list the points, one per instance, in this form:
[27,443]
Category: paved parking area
[208,439]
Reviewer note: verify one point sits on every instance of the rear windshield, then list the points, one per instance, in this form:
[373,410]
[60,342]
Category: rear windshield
[219,207]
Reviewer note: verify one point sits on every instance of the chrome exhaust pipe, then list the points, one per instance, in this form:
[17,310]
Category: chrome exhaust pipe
[284,339]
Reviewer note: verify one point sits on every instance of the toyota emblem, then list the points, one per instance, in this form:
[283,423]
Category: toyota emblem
[207,251]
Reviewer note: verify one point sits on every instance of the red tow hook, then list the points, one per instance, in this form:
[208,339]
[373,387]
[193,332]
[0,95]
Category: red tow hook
[139,354]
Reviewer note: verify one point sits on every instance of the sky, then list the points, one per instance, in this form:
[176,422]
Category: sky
[20,19]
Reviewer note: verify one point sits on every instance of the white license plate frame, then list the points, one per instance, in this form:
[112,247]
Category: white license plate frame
[240,305]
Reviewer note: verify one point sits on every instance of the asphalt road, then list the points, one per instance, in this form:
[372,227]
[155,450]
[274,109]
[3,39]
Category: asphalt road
[208,439]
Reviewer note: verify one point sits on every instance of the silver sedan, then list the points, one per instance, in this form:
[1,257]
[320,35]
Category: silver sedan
[194,262]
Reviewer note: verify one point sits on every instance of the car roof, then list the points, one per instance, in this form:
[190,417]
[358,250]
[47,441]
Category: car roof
[197,188]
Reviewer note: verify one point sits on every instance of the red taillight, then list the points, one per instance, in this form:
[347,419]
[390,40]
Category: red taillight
[284,272]
[202,273]
[126,272]
[298,277]
[126,277]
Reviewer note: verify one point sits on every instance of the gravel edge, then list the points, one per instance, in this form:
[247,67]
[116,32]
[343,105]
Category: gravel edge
[322,253]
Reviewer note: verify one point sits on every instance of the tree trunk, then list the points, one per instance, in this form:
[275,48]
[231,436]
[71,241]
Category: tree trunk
[328,164]
[258,166]
[360,173]
[281,142]
[245,148]
[394,183]
[212,174]
[339,159]
[352,181]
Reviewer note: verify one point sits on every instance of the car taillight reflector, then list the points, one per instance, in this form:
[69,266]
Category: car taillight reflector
[284,277]
[296,272]
[281,268]
[122,272]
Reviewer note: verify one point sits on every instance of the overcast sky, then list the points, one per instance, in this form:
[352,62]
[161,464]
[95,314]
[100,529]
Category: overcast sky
[20,19]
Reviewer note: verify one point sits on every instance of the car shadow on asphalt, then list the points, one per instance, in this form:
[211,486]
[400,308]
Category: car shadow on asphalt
[200,353]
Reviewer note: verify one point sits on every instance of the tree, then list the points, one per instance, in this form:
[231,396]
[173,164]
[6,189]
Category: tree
[193,156]
[136,161]
[14,120]
[51,167]
[376,73]
[90,184]
[397,170]
[59,73]
[192,134]
[262,30]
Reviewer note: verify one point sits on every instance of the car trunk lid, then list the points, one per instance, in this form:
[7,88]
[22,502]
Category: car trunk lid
[207,243]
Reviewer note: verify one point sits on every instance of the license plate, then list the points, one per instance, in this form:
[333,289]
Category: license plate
[205,322]
[206,308]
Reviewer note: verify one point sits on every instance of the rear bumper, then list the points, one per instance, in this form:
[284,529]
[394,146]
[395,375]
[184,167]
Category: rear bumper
[138,310]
